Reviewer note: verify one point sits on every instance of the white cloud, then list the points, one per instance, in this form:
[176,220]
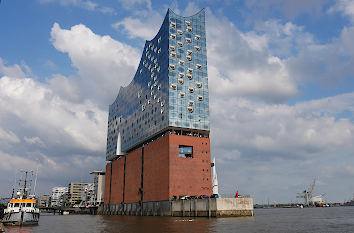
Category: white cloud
[12,163]
[344,6]
[243,66]
[41,111]
[51,171]
[133,4]
[8,136]
[264,131]
[191,9]
[64,87]
[144,28]
[259,145]
[287,8]
[85,4]
[103,63]
[282,39]
[15,70]
[34,140]
[326,64]
[67,131]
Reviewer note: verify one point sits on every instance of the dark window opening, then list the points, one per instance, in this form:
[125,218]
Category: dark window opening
[185,151]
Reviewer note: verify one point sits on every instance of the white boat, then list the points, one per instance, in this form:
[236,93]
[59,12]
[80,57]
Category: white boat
[22,209]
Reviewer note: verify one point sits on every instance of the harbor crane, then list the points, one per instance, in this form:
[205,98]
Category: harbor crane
[307,194]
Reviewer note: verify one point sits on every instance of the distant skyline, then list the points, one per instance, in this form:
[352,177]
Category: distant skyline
[281,83]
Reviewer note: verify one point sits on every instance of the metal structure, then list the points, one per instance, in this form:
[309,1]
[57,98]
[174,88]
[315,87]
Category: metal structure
[215,179]
[307,194]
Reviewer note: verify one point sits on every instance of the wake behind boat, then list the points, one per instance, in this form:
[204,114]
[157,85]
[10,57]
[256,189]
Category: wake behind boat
[22,209]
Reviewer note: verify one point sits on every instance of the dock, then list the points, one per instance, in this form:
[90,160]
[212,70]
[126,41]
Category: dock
[213,207]
[69,210]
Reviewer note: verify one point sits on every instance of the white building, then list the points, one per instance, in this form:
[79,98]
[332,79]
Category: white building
[87,195]
[98,182]
[57,192]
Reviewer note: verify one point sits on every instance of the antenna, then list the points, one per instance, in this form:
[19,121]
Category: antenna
[13,187]
[35,182]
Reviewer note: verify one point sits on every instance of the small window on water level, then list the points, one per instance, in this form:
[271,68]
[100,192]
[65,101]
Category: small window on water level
[185,151]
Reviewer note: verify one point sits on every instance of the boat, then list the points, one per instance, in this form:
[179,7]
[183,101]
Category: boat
[317,201]
[351,203]
[22,209]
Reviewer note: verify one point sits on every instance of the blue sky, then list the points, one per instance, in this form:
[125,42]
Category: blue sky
[280,78]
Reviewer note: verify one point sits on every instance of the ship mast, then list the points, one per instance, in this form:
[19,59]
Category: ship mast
[13,188]
[25,184]
[35,183]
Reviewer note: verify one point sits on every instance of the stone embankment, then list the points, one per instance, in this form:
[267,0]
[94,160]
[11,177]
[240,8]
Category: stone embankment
[214,207]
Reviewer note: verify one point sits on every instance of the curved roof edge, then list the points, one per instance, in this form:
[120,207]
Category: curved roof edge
[169,9]
[147,41]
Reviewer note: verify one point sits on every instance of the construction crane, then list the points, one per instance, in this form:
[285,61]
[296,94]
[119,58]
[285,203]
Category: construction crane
[307,194]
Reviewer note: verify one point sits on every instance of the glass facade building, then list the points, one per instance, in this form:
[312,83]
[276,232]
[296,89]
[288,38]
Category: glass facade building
[169,90]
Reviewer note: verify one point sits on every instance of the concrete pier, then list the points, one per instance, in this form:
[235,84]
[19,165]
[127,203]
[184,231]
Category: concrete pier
[214,207]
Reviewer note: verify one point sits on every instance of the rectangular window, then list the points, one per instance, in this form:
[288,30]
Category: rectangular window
[185,151]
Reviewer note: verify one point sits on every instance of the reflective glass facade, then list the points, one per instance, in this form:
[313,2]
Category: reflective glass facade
[169,89]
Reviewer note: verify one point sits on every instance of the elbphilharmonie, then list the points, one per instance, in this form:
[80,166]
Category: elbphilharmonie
[158,146]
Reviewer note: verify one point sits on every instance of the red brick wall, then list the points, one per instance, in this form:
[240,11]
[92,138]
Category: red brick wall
[133,177]
[156,170]
[165,173]
[190,176]
[117,181]
[106,183]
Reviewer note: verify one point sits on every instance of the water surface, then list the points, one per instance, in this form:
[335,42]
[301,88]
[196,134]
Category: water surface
[333,219]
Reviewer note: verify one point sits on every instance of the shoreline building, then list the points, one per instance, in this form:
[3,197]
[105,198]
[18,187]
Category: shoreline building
[98,182]
[75,192]
[44,201]
[87,195]
[57,193]
[158,145]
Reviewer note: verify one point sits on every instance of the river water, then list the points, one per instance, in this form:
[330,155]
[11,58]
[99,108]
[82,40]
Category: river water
[331,219]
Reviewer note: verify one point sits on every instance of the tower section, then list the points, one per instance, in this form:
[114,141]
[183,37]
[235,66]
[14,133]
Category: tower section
[169,90]
[188,79]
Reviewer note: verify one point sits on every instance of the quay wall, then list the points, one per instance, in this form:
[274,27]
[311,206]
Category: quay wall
[214,207]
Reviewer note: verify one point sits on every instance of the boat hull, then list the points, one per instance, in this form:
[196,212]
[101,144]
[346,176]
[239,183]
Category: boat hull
[21,219]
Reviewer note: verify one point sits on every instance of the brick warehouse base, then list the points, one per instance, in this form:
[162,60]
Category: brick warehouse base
[155,172]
